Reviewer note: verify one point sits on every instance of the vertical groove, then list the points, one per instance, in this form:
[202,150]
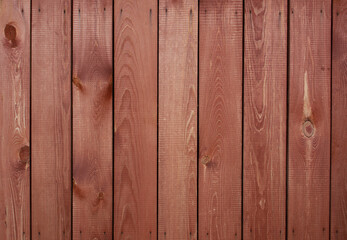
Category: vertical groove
[198,125]
[30,81]
[113,114]
[331,107]
[157,117]
[243,92]
[71,116]
[287,123]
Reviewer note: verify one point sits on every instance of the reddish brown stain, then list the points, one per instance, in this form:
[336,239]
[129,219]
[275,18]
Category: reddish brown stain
[77,190]
[308,128]
[11,34]
[108,90]
[77,82]
[24,153]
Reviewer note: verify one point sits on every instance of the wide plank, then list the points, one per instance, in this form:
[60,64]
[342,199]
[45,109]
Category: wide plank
[178,26]
[339,119]
[15,119]
[92,119]
[265,115]
[51,119]
[135,123]
[309,119]
[220,119]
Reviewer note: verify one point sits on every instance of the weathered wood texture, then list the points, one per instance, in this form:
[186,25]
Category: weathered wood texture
[265,115]
[220,114]
[135,124]
[309,119]
[339,119]
[178,22]
[51,119]
[92,119]
[14,119]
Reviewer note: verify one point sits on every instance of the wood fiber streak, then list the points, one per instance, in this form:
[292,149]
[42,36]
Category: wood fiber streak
[92,119]
[309,119]
[178,22]
[135,126]
[220,125]
[51,119]
[339,119]
[14,119]
[265,90]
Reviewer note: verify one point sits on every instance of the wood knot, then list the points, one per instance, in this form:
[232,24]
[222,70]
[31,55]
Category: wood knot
[77,82]
[308,128]
[101,196]
[24,153]
[11,34]
[205,160]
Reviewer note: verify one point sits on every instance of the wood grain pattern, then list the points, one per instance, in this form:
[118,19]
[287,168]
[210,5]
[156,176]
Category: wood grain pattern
[339,119]
[265,80]
[135,132]
[92,119]
[178,22]
[309,119]
[14,119]
[220,114]
[51,119]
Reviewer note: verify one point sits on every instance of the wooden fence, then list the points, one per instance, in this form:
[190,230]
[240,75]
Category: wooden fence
[173,119]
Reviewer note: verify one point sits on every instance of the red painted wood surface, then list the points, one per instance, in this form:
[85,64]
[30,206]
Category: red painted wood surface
[51,120]
[14,120]
[220,114]
[135,124]
[309,119]
[92,119]
[177,216]
[265,88]
[339,119]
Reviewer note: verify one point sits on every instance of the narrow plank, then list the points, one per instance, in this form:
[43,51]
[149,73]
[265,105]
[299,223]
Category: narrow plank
[92,119]
[51,119]
[220,114]
[178,22]
[265,81]
[14,119]
[309,119]
[135,110]
[339,119]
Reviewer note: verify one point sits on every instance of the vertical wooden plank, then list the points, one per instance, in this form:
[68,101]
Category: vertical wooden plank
[265,89]
[220,121]
[135,107]
[14,119]
[339,119]
[51,119]
[92,119]
[178,22]
[309,119]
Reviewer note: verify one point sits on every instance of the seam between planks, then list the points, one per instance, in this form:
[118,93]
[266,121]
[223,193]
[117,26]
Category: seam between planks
[157,184]
[287,118]
[113,114]
[242,110]
[71,119]
[30,91]
[331,105]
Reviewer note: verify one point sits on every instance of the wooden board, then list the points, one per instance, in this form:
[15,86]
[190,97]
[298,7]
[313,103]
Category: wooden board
[177,216]
[92,119]
[51,119]
[220,119]
[309,119]
[15,119]
[135,125]
[339,119]
[265,88]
